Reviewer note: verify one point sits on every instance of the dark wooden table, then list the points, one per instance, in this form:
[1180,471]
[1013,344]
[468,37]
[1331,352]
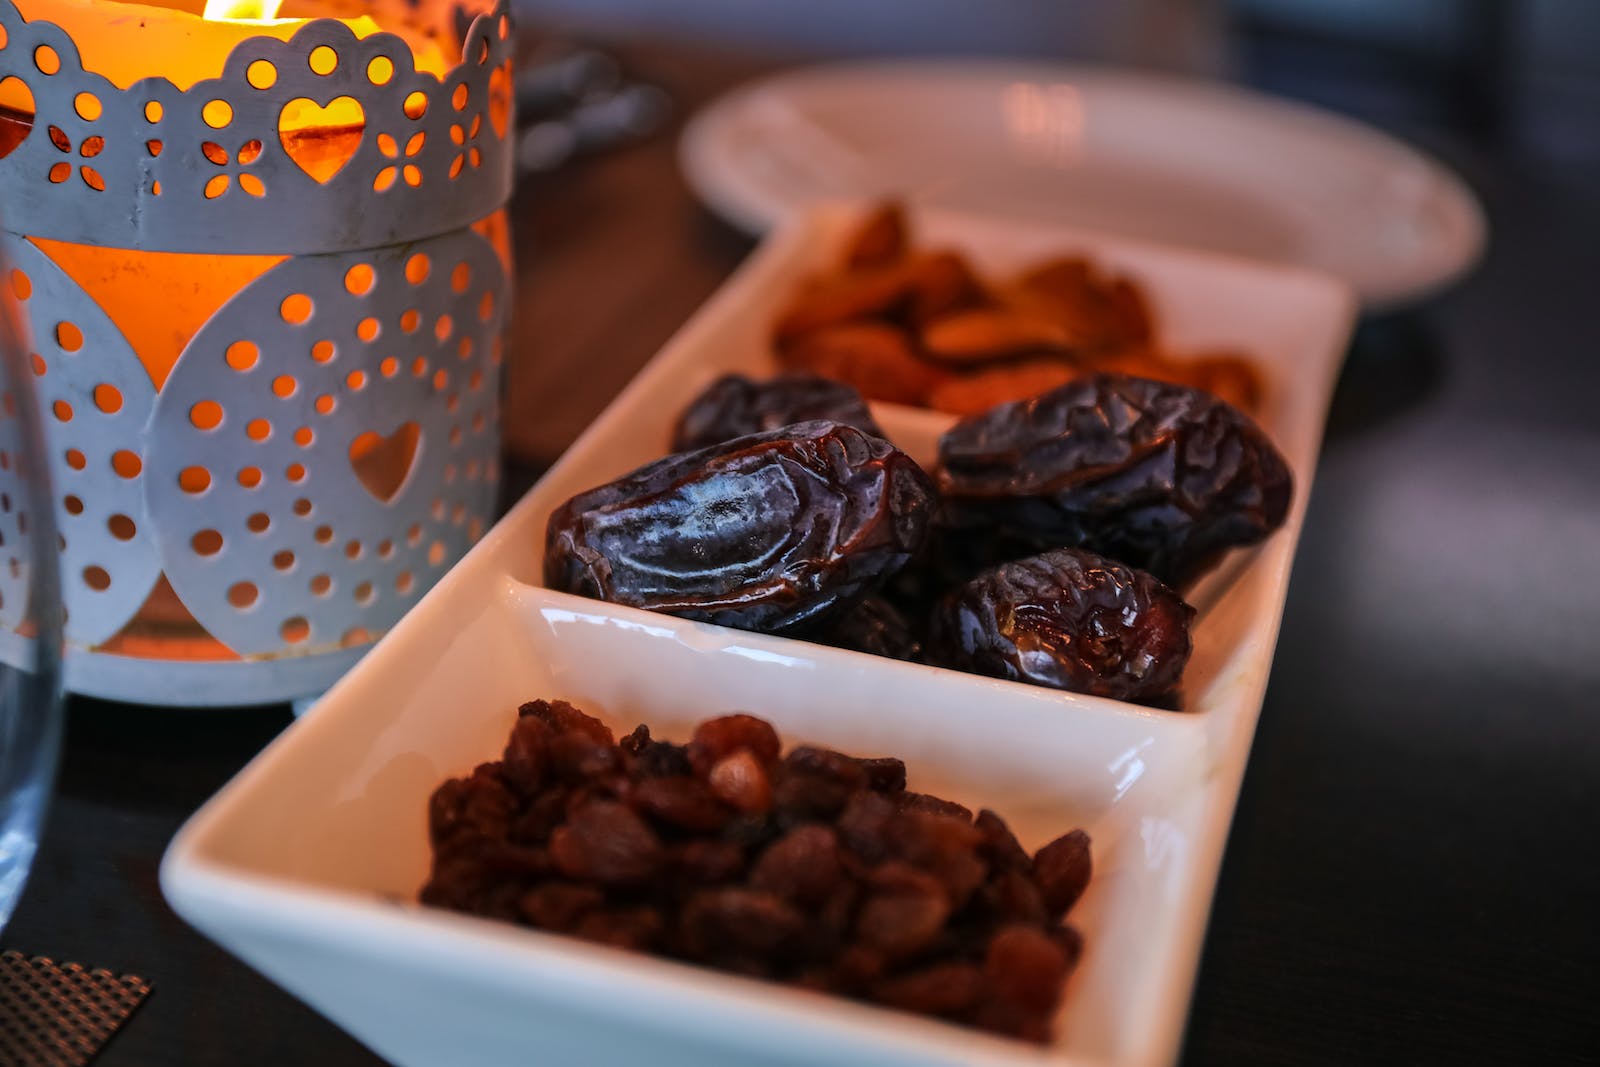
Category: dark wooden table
[1412,874]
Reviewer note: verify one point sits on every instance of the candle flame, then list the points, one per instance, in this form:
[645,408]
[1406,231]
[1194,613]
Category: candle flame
[241,10]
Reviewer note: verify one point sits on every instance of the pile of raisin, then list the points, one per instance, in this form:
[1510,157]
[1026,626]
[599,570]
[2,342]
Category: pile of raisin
[813,868]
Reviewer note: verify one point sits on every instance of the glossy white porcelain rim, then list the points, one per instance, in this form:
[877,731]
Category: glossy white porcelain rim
[1422,233]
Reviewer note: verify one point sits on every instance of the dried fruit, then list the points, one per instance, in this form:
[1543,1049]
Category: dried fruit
[1062,868]
[979,390]
[559,905]
[632,928]
[734,406]
[1069,620]
[734,921]
[1025,966]
[914,326]
[878,240]
[765,532]
[857,295]
[849,883]
[1098,311]
[740,782]
[875,358]
[942,282]
[904,911]
[564,718]
[803,865]
[1161,477]
[947,989]
[678,801]
[718,738]
[982,335]
[605,842]
[874,626]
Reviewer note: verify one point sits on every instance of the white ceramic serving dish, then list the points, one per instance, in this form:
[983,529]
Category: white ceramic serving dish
[1183,161]
[308,863]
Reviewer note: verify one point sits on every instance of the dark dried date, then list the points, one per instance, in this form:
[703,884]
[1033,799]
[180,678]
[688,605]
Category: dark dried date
[873,626]
[765,532]
[1156,475]
[735,406]
[1069,620]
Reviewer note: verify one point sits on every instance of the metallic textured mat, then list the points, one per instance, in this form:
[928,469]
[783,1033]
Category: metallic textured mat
[60,1015]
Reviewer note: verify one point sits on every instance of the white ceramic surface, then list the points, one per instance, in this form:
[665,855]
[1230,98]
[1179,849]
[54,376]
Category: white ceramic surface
[1182,161]
[308,863]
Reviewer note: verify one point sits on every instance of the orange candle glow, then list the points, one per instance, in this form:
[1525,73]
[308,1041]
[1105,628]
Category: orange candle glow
[154,207]
[126,42]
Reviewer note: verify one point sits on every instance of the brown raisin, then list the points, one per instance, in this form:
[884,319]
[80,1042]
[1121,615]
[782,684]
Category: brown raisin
[1062,869]
[999,845]
[563,717]
[735,921]
[576,756]
[800,797]
[526,754]
[885,774]
[904,910]
[1013,896]
[558,905]
[943,846]
[1024,966]
[654,759]
[803,865]
[741,782]
[1069,941]
[678,801]
[943,989]
[718,738]
[922,802]
[702,862]
[514,861]
[632,928]
[471,808]
[866,826]
[606,842]
[543,814]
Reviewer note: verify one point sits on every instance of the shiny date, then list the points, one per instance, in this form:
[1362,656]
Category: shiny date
[767,532]
[1156,475]
[1066,619]
[733,406]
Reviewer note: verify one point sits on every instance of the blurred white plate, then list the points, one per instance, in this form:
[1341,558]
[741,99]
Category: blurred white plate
[1185,162]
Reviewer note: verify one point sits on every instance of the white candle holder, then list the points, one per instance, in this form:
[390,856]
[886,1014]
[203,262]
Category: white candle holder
[249,499]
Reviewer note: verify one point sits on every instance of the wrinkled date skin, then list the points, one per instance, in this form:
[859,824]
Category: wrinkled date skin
[766,532]
[1159,476]
[733,406]
[1067,619]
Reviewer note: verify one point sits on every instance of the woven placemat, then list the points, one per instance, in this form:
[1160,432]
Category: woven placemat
[59,1014]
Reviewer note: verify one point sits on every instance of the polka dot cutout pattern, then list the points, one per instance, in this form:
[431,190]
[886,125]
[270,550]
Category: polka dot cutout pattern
[377,458]
[95,469]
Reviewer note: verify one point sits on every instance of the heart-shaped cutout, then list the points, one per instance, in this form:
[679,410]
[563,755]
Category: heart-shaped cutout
[321,139]
[16,114]
[384,463]
[500,99]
